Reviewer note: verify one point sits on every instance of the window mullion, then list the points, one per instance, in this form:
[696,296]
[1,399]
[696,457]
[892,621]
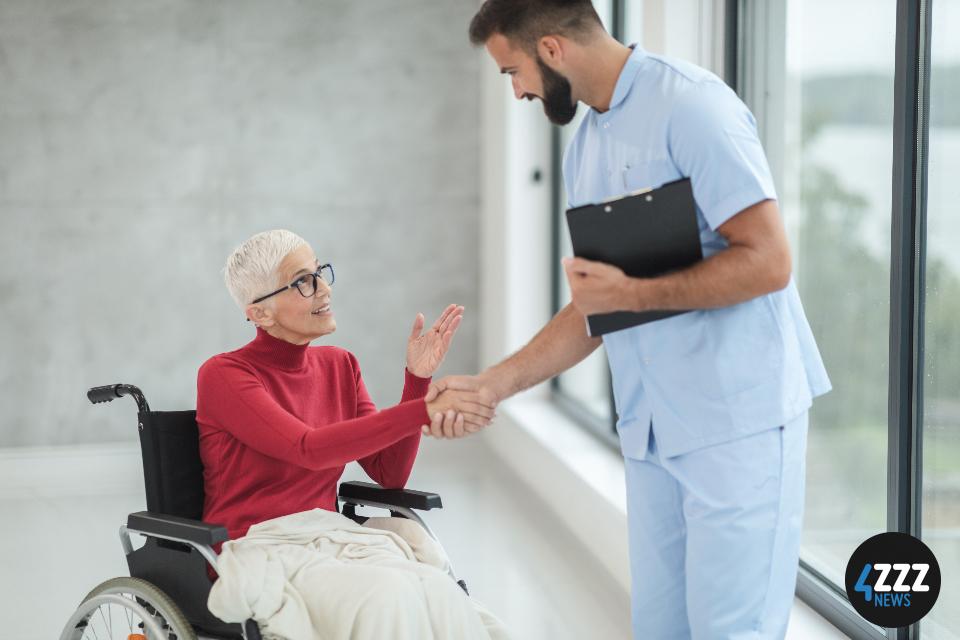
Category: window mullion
[908,232]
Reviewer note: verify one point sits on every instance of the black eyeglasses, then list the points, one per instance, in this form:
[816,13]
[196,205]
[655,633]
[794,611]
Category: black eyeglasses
[305,284]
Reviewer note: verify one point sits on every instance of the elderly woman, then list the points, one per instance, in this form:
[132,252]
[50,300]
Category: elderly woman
[279,419]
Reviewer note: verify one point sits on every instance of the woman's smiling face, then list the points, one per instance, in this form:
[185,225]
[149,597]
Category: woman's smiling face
[289,315]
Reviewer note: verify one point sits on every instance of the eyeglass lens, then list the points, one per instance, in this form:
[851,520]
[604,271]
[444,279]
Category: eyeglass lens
[307,285]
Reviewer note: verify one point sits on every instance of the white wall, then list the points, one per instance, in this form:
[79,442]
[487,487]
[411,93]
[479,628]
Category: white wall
[141,142]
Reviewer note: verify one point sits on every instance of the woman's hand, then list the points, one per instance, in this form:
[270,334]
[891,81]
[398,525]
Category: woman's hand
[426,352]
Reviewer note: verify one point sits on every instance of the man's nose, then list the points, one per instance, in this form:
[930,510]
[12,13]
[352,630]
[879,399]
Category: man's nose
[518,93]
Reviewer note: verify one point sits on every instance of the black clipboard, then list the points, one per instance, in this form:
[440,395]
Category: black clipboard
[647,233]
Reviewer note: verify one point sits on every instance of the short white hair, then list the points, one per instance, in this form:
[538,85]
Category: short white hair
[252,268]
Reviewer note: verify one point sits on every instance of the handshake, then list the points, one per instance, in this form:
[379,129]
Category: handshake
[459,406]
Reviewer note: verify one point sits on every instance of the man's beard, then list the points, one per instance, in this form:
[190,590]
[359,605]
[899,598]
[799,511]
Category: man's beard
[558,102]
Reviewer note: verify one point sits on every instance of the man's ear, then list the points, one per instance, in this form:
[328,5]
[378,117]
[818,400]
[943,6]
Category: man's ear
[259,315]
[550,49]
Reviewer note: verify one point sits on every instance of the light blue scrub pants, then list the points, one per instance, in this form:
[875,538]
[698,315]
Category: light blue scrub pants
[715,537]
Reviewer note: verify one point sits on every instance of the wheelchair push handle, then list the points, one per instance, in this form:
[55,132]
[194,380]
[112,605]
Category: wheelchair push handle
[97,395]
[111,392]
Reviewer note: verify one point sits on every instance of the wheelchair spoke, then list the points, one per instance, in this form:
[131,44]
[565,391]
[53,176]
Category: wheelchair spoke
[91,626]
[104,618]
[129,619]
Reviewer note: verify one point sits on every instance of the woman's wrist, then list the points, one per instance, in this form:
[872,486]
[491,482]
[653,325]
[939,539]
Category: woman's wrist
[417,374]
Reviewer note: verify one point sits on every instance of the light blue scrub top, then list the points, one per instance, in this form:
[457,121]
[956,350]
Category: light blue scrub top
[703,377]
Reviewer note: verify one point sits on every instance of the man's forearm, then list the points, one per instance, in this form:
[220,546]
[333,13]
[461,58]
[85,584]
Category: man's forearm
[562,343]
[722,280]
[756,262]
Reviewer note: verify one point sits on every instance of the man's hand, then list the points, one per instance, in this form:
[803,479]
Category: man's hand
[596,287]
[426,352]
[452,424]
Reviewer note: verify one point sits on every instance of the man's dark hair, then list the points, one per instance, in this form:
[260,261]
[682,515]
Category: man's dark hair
[524,22]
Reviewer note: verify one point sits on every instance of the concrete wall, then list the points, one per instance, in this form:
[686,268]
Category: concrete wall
[140,142]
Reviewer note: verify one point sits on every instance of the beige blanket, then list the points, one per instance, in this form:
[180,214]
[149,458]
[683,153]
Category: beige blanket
[317,575]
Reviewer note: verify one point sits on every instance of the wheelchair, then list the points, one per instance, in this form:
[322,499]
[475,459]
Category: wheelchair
[165,596]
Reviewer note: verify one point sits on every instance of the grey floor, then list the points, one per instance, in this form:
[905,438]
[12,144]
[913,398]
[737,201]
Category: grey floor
[59,514]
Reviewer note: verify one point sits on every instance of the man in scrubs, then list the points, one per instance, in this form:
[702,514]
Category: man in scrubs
[712,405]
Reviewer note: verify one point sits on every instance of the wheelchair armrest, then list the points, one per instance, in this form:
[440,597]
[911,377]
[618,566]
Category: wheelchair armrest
[172,527]
[375,495]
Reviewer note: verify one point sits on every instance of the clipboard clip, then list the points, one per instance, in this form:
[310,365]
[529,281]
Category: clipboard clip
[638,192]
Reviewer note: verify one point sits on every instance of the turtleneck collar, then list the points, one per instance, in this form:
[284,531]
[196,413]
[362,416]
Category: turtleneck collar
[277,353]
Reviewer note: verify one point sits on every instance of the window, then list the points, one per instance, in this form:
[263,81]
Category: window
[841,92]
[828,129]
[583,390]
[941,323]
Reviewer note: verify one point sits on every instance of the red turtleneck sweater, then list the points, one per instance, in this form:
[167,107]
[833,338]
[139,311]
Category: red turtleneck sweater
[279,421]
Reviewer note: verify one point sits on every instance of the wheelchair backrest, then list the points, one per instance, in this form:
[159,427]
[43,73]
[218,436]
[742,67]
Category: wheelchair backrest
[172,471]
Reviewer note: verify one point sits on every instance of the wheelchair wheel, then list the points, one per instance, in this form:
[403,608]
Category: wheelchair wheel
[127,608]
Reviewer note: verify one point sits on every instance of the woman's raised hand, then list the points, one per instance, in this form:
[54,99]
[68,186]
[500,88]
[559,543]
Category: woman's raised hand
[425,352]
